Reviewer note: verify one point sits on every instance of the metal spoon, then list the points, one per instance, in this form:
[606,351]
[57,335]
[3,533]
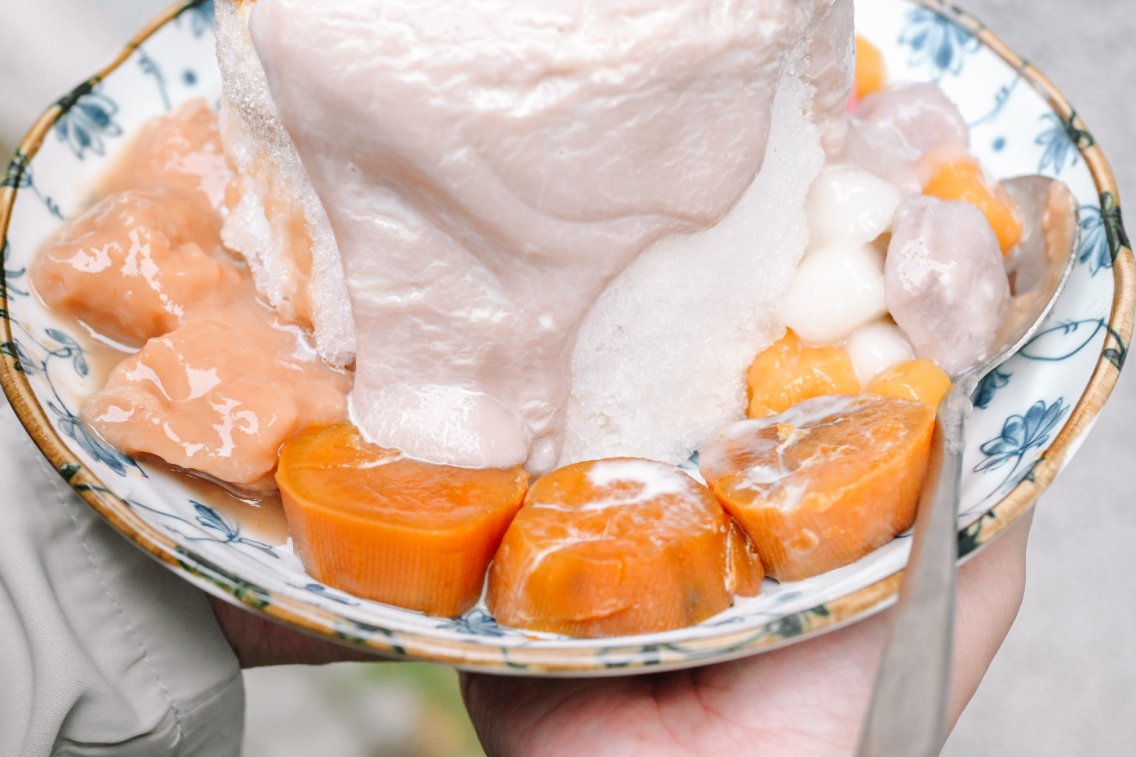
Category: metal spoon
[908,712]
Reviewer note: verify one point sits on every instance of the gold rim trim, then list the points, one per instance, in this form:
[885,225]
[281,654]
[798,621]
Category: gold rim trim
[627,657]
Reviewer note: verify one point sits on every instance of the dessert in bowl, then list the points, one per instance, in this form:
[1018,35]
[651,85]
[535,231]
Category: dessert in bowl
[1015,429]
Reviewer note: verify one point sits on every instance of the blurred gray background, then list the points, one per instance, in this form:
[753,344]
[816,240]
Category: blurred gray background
[1065,681]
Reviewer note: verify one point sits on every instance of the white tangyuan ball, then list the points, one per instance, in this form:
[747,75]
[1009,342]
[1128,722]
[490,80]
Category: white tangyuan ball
[876,347]
[848,204]
[836,289]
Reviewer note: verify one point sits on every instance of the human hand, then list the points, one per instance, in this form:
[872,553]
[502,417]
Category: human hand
[258,641]
[807,699]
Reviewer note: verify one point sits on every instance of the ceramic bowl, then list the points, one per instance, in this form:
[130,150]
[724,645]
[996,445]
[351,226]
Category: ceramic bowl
[1030,415]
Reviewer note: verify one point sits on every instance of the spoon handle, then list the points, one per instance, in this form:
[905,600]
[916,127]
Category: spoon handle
[908,712]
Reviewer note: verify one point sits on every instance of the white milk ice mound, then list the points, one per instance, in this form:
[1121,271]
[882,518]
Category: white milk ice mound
[660,362]
[489,167]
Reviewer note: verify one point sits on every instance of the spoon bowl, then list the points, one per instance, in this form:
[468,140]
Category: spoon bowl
[1040,265]
[908,711]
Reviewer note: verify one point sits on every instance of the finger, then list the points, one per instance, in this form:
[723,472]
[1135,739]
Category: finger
[258,641]
[990,591]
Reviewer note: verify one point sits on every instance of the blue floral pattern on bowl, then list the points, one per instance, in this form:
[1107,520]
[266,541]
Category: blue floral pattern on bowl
[937,45]
[88,122]
[1022,410]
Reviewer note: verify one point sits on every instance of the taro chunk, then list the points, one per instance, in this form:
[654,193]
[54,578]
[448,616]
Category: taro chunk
[946,285]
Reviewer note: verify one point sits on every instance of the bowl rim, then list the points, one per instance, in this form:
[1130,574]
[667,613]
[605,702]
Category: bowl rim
[623,656]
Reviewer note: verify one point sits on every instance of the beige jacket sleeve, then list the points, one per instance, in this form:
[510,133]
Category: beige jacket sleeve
[102,650]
